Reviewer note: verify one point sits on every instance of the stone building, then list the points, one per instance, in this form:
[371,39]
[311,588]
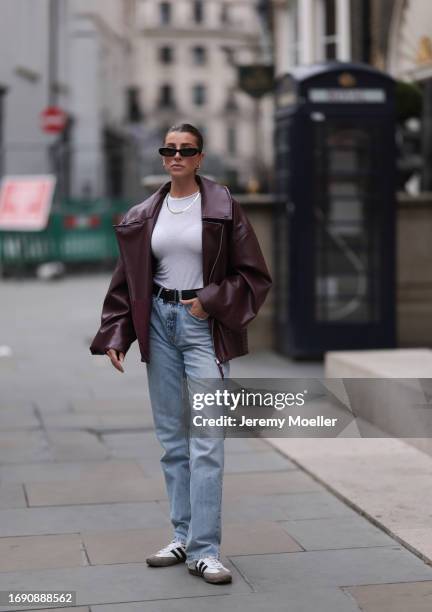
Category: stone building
[187,59]
[78,55]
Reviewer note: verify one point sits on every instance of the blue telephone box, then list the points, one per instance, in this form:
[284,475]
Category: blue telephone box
[335,216]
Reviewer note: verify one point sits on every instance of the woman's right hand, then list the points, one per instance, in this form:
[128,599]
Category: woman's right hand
[117,358]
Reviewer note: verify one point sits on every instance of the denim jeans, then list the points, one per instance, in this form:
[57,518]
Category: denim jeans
[181,348]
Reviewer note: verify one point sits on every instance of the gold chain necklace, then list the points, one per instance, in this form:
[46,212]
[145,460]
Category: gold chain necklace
[177,212]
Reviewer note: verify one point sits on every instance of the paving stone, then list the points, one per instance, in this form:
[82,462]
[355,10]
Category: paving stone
[138,439]
[122,582]
[125,418]
[95,490]
[151,466]
[257,462]
[255,537]
[142,445]
[294,600]
[340,532]
[313,505]
[245,445]
[347,567]
[70,420]
[111,405]
[44,472]
[73,519]
[237,485]
[412,596]
[12,403]
[399,470]
[37,552]
[18,418]
[96,420]
[145,444]
[301,506]
[75,445]
[131,546]
[75,609]
[419,538]
[235,463]
[125,546]
[20,446]
[56,404]
[12,496]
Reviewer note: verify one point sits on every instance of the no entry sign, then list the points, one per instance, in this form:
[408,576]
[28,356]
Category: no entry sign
[53,120]
[25,201]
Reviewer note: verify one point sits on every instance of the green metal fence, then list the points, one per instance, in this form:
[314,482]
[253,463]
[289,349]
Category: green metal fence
[78,231]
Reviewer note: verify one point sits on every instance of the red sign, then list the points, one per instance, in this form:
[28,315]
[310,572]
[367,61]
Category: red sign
[53,120]
[25,202]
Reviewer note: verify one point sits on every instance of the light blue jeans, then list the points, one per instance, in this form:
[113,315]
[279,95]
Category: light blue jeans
[181,349]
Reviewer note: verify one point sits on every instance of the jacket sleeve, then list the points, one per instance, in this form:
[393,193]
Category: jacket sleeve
[236,300]
[117,330]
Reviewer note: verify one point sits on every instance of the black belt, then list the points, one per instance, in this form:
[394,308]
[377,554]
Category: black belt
[173,295]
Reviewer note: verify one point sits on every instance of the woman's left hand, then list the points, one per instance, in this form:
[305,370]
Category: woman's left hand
[196,308]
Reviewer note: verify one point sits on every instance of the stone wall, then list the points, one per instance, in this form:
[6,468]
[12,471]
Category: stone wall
[259,210]
[414,270]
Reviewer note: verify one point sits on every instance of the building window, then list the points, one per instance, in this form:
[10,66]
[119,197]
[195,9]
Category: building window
[198,94]
[327,35]
[330,30]
[165,13]
[293,46]
[199,55]
[224,14]
[134,111]
[166,98]
[231,140]
[166,55]
[198,11]
[231,102]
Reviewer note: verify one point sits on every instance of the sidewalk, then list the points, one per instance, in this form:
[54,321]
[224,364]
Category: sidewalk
[82,500]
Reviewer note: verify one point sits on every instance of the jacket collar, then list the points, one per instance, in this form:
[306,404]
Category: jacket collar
[216,201]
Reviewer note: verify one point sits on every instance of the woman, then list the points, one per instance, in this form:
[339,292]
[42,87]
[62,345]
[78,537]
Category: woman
[189,279]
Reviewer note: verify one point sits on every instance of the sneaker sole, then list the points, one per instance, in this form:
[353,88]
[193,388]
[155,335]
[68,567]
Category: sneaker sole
[159,562]
[220,580]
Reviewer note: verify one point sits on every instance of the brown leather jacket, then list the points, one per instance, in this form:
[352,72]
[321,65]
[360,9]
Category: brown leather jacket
[236,279]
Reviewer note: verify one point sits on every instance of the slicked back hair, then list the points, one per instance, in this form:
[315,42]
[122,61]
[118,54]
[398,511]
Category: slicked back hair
[191,129]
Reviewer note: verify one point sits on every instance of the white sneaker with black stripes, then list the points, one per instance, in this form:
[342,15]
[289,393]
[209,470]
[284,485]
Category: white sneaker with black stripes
[211,569]
[173,553]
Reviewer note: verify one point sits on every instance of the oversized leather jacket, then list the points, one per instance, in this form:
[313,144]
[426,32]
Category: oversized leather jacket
[235,277]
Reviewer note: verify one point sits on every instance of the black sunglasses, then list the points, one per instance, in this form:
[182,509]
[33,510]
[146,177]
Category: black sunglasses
[186,152]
